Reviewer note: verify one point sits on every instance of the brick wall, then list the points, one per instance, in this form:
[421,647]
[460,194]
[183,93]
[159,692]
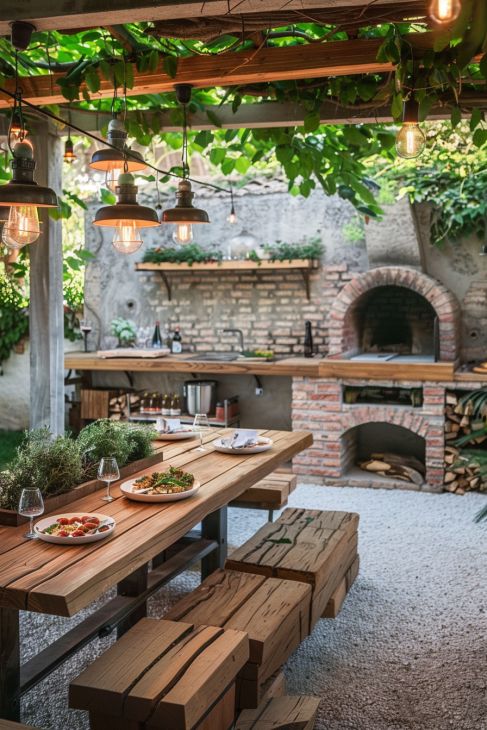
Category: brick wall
[269,307]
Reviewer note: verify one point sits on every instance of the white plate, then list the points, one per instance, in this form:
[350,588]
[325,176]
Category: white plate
[47,521]
[264,445]
[176,436]
[126,489]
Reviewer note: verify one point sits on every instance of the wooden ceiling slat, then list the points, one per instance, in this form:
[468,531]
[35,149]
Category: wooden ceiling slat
[60,15]
[317,60]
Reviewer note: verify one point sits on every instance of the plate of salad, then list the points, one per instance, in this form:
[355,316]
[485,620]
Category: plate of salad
[75,528]
[161,486]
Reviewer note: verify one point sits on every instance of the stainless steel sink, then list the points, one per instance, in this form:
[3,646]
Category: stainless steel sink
[215,356]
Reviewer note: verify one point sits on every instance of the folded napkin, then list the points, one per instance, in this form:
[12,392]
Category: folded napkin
[169,425]
[241,439]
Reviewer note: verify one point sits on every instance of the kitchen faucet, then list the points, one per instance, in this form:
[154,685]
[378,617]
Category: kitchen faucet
[240,334]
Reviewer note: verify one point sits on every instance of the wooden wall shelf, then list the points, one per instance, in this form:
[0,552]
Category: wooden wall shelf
[305,266]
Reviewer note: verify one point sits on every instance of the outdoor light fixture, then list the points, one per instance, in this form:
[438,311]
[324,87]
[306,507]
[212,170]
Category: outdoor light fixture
[483,250]
[184,215]
[69,154]
[410,140]
[113,161]
[23,196]
[232,218]
[126,216]
[443,12]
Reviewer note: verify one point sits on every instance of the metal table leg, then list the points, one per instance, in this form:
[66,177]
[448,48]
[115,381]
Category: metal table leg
[214,527]
[9,664]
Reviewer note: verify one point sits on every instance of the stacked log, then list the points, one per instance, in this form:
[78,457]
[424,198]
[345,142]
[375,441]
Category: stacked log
[461,474]
[395,466]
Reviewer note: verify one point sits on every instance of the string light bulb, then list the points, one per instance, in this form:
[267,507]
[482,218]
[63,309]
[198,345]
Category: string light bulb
[410,140]
[126,216]
[23,196]
[69,153]
[443,12]
[232,217]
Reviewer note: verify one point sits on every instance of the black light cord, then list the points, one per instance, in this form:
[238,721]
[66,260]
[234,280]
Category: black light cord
[127,152]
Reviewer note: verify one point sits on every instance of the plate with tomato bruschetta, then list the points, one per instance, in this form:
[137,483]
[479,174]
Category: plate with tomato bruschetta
[75,528]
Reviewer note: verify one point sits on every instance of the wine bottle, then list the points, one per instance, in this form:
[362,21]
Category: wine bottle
[308,339]
[156,337]
[176,344]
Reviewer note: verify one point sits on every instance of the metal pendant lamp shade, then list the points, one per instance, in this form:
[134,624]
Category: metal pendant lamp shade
[127,208]
[108,159]
[184,210]
[22,190]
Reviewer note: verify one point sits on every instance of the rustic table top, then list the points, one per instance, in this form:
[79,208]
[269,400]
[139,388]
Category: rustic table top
[61,580]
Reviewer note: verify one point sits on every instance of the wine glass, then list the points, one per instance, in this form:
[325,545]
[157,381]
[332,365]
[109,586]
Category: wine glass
[201,424]
[108,472]
[85,328]
[31,505]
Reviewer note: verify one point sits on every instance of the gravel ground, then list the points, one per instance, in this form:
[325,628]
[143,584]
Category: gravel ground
[409,649]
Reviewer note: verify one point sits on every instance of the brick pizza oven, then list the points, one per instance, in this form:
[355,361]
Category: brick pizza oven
[393,313]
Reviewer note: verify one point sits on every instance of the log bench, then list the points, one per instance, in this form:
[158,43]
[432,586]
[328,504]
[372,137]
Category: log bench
[271,493]
[163,674]
[281,713]
[310,546]
[273,612]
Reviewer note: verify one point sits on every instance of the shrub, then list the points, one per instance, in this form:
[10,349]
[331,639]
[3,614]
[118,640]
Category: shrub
[111,438]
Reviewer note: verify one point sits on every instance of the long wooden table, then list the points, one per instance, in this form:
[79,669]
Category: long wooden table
[60,580]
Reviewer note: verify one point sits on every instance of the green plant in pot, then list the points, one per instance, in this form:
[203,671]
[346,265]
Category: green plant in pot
[124,442]
[125,331]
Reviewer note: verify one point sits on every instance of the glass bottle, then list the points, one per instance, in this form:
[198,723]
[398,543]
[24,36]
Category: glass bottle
[175,405]
[176,344]
[156,337]
[166,405]
[308,339]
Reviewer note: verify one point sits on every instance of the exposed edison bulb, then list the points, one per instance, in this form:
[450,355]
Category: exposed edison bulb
[111,178]
[183,233]
[445,11]
[232,218]
[410,141]
[127,238]
[21,227]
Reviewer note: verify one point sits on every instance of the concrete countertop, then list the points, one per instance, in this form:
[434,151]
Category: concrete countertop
[184,363]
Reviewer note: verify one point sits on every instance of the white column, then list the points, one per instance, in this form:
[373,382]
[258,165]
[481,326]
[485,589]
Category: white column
[46,295]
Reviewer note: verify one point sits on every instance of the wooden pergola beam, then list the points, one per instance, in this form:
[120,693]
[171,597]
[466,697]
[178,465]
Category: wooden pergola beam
[60,15]
[315,60]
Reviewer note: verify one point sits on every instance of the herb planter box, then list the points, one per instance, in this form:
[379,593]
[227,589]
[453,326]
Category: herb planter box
[11,518]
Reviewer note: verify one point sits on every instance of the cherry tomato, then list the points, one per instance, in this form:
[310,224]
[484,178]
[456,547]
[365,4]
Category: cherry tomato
[104,528]
[74,520]
[89,526]
[63,521]
[63,533]
[87,518]
[78,533]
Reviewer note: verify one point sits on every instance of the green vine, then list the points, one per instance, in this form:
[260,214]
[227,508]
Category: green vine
[14,319]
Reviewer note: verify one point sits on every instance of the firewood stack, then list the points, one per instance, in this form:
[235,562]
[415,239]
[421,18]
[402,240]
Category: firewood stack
[461,475]
[395,466]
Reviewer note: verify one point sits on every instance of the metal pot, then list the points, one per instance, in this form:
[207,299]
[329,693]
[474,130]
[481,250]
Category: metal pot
[200,396]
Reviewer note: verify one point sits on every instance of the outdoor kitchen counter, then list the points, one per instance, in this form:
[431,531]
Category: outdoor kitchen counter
[288,366]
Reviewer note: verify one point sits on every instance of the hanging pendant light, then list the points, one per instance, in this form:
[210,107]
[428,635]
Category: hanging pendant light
[410,140]
[232,218]
[69,153]
[184,215]
[443,12]
[126,216]
[112,161]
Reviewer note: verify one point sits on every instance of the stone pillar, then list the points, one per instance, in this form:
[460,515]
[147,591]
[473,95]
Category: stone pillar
[46,295]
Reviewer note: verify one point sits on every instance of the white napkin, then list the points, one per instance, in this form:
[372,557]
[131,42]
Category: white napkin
[168,425]
[242,438]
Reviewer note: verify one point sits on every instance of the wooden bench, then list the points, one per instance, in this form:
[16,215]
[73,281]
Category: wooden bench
[164,674]
[273,612]
[310,546]
[271,493]
[285,713]
[9,725]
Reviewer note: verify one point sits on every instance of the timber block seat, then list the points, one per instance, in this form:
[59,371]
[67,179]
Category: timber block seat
[271,493]
[164,675]
[273,612]
[280,713]
[310,546]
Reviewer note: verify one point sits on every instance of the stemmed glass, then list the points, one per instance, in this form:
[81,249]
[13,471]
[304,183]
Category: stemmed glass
[201,424]
[31,505]
[108,472]
[85,327]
